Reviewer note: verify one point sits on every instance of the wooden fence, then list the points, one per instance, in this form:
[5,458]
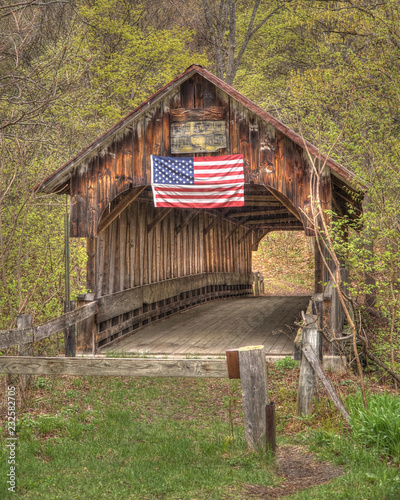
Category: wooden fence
[10,338]
[250,367]
[119,314]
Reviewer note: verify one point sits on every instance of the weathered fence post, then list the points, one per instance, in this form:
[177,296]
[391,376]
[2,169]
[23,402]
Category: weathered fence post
[253,375]
[86,329]
[25,321]
[262,286]
[307,377]
[318,304]
[69,335]
[256,287]
[270,426]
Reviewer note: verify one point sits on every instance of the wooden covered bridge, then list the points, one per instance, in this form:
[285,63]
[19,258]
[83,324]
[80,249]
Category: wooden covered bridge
[146,263]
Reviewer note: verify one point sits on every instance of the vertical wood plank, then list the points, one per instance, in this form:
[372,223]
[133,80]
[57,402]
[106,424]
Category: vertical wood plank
[86,329]
[123,271]
[184,250]
[166,248]
[25,321]
[244,141]
[178,247]
[99,265]
[158,248]
[106,266]
[209,95]
[138,153]
[196,245]
[187,93]
[234,127]
[149,240]
[139,254]
[173,217]
[127,159]
[254,148]
[190,249]
[201,244]
[91,264]
[198,91]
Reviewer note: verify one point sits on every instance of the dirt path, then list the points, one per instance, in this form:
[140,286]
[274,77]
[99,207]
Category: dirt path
[299,469]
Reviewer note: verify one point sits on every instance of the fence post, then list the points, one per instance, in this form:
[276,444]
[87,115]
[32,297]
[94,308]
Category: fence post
[270,426]
[69,336]
[262,286]
[25,321]
[318,310]
[253,375]
[256,288]
[305,396]
[86,329]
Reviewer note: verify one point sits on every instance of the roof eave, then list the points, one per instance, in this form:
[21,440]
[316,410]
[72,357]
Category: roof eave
[60,176]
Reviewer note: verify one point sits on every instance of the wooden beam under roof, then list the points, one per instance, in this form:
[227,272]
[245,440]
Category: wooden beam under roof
[255,213]
[127,200]
[159,217]
[258,197]
[275,203]
[286,204]
[279,227]
[268,221]
[216,220]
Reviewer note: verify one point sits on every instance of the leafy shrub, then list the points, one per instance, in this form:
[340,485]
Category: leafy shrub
[286,364]
[379,426]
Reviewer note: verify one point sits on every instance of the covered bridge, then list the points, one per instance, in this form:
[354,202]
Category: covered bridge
[145,263]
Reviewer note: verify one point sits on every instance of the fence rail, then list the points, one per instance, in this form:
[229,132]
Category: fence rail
[10,338]
[129,367]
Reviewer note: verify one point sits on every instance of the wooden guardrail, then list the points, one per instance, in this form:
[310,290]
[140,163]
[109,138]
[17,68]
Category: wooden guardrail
[120,313]
[247,363]
[10,338]
[128,367]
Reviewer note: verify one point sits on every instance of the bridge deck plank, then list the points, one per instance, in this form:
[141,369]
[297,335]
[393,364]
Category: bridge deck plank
[214,327]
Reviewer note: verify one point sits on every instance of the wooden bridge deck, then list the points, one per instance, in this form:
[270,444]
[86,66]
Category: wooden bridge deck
[214,327]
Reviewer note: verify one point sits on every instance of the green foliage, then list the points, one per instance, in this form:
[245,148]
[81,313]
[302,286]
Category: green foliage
[379,425]
[77,73]
[286,364]
[285,259]
[366,475]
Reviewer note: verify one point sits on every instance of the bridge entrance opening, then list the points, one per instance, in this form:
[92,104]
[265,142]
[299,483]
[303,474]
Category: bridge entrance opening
[285,261]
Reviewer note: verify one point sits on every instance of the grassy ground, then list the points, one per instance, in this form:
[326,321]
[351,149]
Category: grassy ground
[94,438]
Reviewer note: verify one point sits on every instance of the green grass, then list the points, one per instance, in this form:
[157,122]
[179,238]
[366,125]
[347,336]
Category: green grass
[116,438]
[379,426]
[367,475]
[95,438]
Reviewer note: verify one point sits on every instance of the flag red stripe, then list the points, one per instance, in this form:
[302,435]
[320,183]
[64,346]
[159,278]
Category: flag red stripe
[201,205]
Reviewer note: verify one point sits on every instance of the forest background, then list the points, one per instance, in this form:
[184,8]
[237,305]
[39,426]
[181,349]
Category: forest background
[71,69]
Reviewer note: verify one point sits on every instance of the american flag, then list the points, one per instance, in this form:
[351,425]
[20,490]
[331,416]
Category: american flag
[199,182]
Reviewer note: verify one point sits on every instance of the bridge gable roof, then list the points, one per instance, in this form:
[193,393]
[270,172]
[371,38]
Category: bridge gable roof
[58,181]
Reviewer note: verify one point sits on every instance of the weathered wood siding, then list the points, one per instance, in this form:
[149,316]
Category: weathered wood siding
[271,159]
[188,259]
[129,255]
